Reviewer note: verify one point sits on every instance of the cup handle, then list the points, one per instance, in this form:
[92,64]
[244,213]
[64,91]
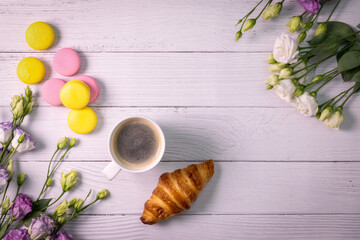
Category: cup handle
[111,170]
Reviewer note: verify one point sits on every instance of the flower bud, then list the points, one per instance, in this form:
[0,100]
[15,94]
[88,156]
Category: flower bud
[78,205]
[276,67]
[72,142]
[49,182]
[301,37]
[238,35]
[285,73]
[249,24]
[28,92]
[326,113]
[10,167]
[68,180]
[19,109]
[62,208]
[294,24]
[21,179]
[272,80]
[238,22]
[321,28]
[299,91]
[29,107]
[308,25]
[21,138]
[62,143]
[317,78]
[271,59]
[335,120]
[102,194]
[272,11]
[5,205]
[61,219]
[14,100]
[73,202]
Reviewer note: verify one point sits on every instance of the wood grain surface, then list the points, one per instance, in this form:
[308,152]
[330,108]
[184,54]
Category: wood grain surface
[278,175]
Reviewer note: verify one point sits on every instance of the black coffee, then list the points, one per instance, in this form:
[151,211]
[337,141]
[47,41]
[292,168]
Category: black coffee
[137,143]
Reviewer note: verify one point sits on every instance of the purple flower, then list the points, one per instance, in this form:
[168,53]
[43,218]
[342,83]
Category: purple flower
[17,234]
[311,6]
[62,235]
[4,177]
[41,227]
[28,143]
[5,131]
[21,207]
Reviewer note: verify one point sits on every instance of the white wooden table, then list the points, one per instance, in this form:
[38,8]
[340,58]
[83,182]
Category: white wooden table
[278,175]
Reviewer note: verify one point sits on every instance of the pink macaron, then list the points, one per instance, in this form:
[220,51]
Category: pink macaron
[67,62]
[94,87]
[50,91]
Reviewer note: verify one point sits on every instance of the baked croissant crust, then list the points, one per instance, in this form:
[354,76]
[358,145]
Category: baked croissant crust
[176,191]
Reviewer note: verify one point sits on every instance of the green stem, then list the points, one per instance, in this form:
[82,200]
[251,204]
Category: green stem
[345,92]
[53,202]
[267,4]
[326,82]
[9,156]
[333,10]
[342,105]
[9,140]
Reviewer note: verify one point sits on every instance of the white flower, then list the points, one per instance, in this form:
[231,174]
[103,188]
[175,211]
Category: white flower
[285,89]
[335,120]
[5,131]
[306,104]
[28,143]
[4,177]
[285,49]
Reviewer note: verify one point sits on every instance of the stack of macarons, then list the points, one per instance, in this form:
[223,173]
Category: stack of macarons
[75,94]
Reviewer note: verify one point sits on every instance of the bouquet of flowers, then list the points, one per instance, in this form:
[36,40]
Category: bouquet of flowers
[27,218]
[293,63]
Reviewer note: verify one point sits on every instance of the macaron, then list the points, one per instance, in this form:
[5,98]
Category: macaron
[75,94]
[40,35]
[31,70]
[50,91]
[67,62]
[94,87]
[82,121]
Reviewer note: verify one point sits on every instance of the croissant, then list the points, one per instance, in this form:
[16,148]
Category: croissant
[176,191]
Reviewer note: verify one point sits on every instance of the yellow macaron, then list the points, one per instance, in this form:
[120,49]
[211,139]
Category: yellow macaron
[82,121]
[31,70]
[40,35]
[75,94]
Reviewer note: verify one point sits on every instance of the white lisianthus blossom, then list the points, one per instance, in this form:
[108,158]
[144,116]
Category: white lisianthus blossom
[334,120]
[285,89]
[28,143]
[5,131]
[285,49]
[306,104]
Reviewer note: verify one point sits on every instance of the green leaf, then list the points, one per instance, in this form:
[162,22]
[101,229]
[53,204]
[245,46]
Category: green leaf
[358,26]
[334,29]
[41,204]
[355,47]
[4,228]
[327,47]
[348,75]
[356,77]
[27,220]
[357,87]
[349,61]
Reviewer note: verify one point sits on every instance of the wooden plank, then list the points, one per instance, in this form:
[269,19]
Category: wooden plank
[170,79]
[161,25]
[236,188]
[236,134]
[270,227]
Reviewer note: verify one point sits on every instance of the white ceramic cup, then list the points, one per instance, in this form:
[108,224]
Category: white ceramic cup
[114,167]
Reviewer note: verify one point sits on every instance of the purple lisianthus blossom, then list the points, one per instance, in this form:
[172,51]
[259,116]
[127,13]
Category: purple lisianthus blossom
[21,207]
[41,227]
[62,235]
[311,6]
[5,131]
[17,234]
[4,177]
[28,143]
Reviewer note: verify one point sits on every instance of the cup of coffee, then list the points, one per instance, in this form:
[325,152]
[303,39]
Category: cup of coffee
[136,144]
